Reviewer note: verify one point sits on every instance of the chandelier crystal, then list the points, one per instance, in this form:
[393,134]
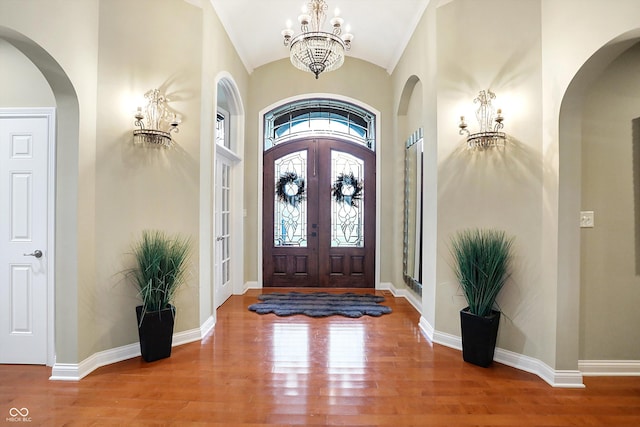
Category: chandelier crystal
[315,50]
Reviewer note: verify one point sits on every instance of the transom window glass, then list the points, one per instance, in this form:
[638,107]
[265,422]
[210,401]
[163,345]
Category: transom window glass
[222,129]
[319,117]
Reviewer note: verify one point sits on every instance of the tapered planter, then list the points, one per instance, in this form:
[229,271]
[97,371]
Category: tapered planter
[479,335]
[156,333]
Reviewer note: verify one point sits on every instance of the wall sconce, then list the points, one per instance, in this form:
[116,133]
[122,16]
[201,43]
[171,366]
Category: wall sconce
[159,121]
[490,121]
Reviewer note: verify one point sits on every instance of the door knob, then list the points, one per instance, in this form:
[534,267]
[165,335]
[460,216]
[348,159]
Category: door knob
[219,238]
[37,253]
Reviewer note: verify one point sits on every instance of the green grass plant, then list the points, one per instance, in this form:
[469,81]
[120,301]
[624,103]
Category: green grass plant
[161,267]
[482,258]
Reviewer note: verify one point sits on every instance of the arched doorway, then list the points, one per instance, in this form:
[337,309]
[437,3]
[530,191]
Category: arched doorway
[63,270]
[319,195]
[228,191]
[576,294]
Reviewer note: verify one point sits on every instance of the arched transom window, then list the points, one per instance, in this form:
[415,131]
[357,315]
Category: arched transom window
[319,116]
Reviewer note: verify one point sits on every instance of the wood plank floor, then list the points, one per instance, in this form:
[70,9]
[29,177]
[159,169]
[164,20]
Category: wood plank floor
[268,371]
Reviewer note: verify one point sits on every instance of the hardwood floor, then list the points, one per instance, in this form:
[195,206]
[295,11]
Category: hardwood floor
[270,371]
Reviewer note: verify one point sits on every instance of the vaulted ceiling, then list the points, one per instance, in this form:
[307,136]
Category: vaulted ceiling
[381,28]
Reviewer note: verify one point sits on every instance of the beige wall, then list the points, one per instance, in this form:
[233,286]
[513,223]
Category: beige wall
[610,287]
[68,60]
[496,188]
[219,61]
[140,187]
[358,80]
[108,190]
[571,58]
[529,63]
[419,64]
[23,85]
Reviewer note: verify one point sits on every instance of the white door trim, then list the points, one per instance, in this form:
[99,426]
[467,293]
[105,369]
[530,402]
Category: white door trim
[260,148]
[48,113]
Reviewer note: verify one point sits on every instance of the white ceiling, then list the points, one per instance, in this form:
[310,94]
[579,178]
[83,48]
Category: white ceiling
[381,28]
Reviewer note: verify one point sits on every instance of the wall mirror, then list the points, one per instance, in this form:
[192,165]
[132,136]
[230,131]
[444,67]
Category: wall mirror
[413,205]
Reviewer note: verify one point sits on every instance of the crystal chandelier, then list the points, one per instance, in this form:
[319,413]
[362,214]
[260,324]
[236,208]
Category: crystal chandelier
[490,121]
[313,49]
[159,121]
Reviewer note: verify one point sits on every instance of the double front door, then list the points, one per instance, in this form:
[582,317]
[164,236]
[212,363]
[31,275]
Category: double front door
[319,215]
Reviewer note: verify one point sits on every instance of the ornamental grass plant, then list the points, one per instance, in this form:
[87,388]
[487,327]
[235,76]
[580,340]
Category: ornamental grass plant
[161,267]
[482,258]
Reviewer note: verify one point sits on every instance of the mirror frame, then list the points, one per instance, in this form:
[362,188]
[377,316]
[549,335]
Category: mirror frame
[416,142]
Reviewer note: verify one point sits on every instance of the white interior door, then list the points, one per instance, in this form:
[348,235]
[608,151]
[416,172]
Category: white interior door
[223,287]
[24,159]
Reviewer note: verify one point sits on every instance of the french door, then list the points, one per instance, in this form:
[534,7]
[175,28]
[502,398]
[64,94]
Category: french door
[319,215]
[223,288]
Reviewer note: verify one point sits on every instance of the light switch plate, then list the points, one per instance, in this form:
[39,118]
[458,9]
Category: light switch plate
[586,219]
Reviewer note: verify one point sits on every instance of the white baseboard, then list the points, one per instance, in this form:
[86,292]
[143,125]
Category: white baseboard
[555,378]
[609,368]
[405,293]
[426,328]
[207,326]
[447,340]
[75,372]
[251,285]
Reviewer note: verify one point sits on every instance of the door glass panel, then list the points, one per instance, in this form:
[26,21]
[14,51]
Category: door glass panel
[225,231]
[347,201]
[290,206]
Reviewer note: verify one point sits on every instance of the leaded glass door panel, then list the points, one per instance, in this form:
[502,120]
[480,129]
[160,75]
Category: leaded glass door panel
[347,220]
[290,211]
[319,214]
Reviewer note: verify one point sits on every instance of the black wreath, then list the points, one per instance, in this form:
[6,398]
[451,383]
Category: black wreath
[281,188]
[347,180]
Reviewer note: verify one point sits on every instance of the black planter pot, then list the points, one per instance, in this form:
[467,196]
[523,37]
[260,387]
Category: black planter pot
[156,333]
[479,336]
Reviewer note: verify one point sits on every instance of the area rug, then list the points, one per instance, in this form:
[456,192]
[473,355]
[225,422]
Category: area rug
[320,304]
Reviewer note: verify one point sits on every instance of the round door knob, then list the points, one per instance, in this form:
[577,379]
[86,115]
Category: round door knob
[37,253]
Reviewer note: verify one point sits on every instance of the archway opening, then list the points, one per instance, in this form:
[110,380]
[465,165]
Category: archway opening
[65,324]
[228,191]
[577,285]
